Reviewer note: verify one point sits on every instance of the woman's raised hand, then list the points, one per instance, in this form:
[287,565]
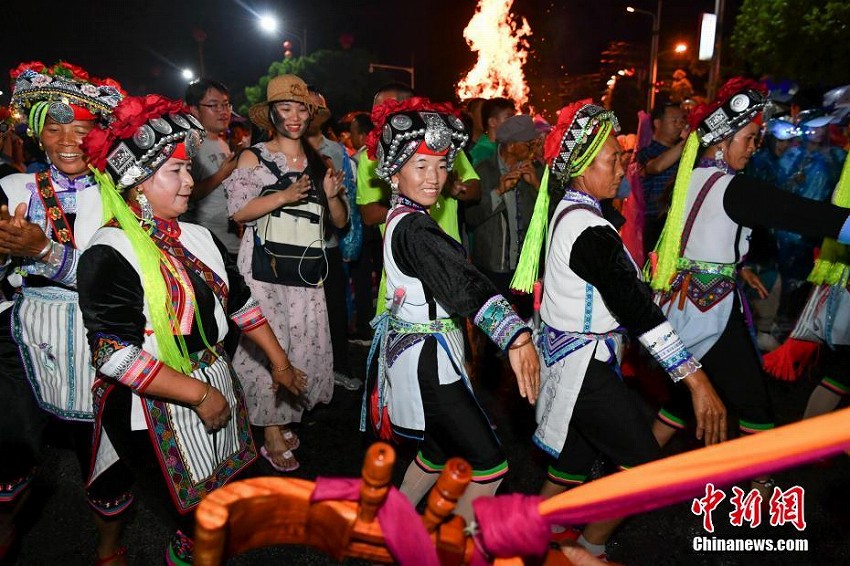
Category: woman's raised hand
[296,192]
[333,183]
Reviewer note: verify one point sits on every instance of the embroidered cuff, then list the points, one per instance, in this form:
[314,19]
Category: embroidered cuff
[669,351]
[249,316]
[125,363]
[499,321]
[844,235]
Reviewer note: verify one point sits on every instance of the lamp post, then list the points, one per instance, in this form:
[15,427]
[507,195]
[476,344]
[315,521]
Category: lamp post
[409,70]
[301,38]
[653,52]
[270,25]
[714,71]
[200,36]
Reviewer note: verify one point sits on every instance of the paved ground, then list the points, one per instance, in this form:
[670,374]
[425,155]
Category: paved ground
[58,528]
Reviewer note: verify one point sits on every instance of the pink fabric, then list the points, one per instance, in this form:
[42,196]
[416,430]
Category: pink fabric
[634,208]
[649,500]
[405,534]
[510,525]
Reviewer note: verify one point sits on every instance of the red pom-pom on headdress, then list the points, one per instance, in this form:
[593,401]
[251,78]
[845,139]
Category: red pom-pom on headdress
[552,145]
[96,145]
[391,106]
[134,111]
[109,82]
[130,114]
[36,66]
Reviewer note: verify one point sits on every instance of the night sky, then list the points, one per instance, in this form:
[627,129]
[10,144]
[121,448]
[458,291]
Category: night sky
[145,43]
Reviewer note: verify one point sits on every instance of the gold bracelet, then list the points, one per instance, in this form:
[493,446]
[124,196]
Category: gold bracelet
[518,346]
[204,398]
[274,369]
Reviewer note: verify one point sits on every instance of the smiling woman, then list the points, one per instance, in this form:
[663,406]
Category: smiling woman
[422,391]
[156,296]
[45,221]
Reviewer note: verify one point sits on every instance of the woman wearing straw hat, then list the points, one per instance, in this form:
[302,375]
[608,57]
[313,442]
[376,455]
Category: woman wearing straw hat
[284,182]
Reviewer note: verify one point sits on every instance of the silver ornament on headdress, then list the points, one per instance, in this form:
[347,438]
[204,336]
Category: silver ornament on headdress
[144,137]
[401,122]
[192,143]
[739,102]
[180,121]
[438,136]
[61,112]
[160,125]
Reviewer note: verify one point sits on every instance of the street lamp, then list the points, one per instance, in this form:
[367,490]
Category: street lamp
[681,48]
[187,74]
[267,23]
[653,53]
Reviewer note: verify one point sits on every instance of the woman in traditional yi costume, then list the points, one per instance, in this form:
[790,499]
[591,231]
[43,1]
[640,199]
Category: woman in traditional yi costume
[156,296]
[695,263]
[593,295]
[423,391]
[46,220]
[824,321]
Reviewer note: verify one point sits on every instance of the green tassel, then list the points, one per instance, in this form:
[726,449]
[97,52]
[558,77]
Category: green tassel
[529,259]
[172,349]
[667,247]
[832,263]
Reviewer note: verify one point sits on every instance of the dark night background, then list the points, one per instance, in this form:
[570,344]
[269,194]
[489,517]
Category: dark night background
[145,43]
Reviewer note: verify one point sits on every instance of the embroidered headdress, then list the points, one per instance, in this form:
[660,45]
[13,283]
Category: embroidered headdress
[570,147]
[65,92]
[415,125]
[144,132]
[738,102]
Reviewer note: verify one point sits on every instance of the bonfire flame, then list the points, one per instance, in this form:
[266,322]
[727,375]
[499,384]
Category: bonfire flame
[502,51]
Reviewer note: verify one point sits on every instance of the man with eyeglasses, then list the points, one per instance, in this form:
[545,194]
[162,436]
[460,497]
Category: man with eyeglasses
[209,102]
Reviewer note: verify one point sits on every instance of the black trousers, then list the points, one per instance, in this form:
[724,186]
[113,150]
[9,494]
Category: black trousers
[455,425]
[735,370]
[606,419]
[334,287]
[24,429]
[22,421]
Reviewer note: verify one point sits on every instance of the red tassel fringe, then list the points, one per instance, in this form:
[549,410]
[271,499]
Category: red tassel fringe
[791,360]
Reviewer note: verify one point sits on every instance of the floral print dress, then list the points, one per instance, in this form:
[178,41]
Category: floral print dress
[298,316]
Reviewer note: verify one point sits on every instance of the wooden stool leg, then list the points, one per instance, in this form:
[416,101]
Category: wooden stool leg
[443,497]
[377,474]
